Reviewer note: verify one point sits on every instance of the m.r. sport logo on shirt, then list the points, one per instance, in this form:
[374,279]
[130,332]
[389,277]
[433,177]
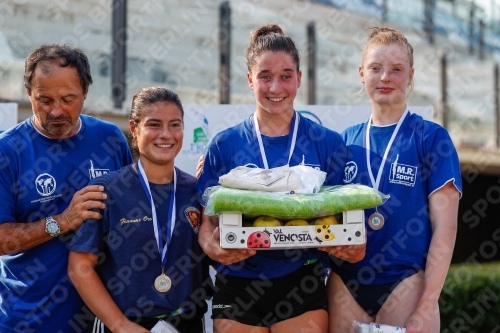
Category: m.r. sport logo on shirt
[94,173]
[402,173]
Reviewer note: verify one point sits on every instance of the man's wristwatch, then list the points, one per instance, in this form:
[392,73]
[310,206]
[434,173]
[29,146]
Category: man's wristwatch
[52,226]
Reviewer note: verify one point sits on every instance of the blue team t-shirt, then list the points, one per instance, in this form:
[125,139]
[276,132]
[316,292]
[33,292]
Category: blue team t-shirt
[316,146]
[379,138]
[125,238]
[38,178]
[422,160]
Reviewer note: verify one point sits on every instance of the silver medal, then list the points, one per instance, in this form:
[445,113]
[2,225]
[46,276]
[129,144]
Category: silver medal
[163,282]
[376,221]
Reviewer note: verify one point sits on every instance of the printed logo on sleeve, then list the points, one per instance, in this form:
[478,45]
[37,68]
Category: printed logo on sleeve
[402,173]
[193,216]
[350,171]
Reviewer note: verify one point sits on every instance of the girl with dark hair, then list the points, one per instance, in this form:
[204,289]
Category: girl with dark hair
[273,290]
[411,237]
[151,265]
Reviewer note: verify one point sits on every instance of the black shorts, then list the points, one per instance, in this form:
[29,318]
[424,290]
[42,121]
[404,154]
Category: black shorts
[190,322]
[370,297]
[264,302]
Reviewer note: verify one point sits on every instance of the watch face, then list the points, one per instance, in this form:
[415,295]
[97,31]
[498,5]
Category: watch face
[52,228]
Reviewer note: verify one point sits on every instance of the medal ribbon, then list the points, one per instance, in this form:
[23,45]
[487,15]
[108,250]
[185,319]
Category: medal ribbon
[376,183]
[292,137]
[156,223]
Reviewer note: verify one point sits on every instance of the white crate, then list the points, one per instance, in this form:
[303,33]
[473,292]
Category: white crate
[234,236]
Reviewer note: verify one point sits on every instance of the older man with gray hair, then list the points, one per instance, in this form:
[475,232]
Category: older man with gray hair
[46,162]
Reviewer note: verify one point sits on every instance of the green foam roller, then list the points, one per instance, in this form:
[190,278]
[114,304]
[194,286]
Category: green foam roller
[329,200]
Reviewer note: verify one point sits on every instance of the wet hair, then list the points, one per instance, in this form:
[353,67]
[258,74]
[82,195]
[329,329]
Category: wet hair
[270,37]
[65,55]
[147,97]
[388,36]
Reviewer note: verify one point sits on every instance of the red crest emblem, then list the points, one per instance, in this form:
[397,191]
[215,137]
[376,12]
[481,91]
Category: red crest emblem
[193,216]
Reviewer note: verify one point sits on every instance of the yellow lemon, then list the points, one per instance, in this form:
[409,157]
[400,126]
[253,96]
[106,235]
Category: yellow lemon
[296,222]
[326,220]
[266,221]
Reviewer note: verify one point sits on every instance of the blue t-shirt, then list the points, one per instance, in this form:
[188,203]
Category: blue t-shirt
[379,138]
[422,160]
[125,238]
[38,178]
[316,146]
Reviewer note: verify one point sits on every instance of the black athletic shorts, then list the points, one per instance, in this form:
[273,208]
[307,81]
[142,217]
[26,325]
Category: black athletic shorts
[191,321]
[264,302]
[370,297]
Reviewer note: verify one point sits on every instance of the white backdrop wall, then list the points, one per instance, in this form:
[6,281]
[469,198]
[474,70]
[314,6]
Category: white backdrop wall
[8,116]
[202,121]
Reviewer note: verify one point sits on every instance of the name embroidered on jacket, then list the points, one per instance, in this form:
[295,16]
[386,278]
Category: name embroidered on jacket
[125,221]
